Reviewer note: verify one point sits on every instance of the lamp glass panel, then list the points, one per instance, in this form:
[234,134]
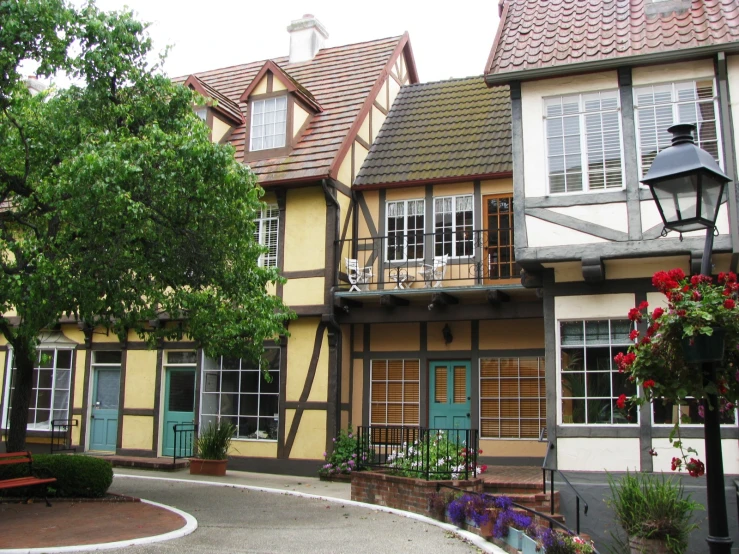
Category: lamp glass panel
[678,198]
[711,192]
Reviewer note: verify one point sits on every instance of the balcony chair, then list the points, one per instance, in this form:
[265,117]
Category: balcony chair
[433,274]
[358,276]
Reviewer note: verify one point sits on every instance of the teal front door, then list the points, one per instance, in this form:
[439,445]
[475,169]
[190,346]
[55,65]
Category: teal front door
[104,412]
[179,406]
[449,395]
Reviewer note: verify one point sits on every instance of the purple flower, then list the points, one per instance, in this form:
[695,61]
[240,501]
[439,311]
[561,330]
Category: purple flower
[701,411]
[334,439]
[324,454]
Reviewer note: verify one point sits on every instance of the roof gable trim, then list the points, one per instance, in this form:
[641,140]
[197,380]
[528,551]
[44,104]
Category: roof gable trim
[290,84]
[201,88]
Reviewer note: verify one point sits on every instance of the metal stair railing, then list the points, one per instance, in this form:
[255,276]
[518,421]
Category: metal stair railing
[544,469]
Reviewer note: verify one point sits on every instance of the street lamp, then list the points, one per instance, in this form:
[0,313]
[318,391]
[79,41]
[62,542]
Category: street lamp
[687,185]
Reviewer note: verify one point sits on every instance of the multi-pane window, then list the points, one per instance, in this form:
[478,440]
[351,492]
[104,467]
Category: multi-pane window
[51,384]
[268,123]
[590,380]
[394,392]
[660,106]
[513,401]
[689,412]
[266,232]
[500,254]
[405,226]
[583,142]
[453,226]
[235,390]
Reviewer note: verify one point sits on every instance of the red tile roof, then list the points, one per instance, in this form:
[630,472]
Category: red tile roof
[340,79]
[540,34]
[457,129]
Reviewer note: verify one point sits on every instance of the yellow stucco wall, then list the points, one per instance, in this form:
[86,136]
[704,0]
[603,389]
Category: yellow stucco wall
[140,378]
[310,440]
[497,186]
[345,168]
[299,117]
[517,448]
[395,337]
[303,292]
[410,193]
[259,449]
[277,85]
[138,432]
[453,189]
[261,87]
[3,359]
[358,369]
[305,231]
[346,364]
[378,118]
[372,199]
[363,132]
[300,350]
[461,331]
[219,130]
[360,154]
[79,378]
[511,334]
[381,97]
[682,71]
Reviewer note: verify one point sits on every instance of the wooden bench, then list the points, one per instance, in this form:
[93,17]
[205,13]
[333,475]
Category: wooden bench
[32,480]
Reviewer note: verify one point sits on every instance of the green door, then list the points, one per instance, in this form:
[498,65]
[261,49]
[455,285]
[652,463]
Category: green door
[449,395]
[104,412]
[179,404]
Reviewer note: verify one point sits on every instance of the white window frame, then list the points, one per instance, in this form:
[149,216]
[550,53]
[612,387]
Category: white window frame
[664,139]
[216,366]
[268,120]
[697,423]
[455,229]
[585,173]
[405,204]
[614,347]
[267,233]
[54,389]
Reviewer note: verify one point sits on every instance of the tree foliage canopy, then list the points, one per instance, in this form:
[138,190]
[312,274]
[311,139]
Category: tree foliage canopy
[115,207]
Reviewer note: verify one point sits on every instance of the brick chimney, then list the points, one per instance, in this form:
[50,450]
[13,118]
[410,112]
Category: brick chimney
[307,35]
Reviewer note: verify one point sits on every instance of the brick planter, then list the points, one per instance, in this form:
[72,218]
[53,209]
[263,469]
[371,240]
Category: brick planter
[403,493]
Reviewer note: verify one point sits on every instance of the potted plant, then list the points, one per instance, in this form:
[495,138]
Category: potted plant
[553,542]
[654,511]
[212,447]
[700,316]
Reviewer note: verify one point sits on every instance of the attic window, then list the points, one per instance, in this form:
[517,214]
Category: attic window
[268,123]
[202,113]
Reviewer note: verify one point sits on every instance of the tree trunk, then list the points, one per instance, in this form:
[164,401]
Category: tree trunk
[24,356]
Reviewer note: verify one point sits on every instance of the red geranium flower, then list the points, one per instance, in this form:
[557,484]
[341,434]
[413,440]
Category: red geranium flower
[695,467]
[657,313]
[635,314]
[633,335]
[621,402]
[648,383]
[729,304]
[676,463]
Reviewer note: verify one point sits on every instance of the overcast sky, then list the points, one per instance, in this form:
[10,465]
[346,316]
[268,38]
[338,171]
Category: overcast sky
[448,39]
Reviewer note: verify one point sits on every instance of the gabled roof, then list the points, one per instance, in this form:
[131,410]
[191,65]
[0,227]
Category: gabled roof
[442,131]
[340,79]
[223,104]
[290,84]
[536,37]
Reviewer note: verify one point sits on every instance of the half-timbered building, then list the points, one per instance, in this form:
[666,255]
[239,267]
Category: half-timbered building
[593,88]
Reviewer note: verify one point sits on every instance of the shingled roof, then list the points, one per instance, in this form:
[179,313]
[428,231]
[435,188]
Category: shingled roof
[537,35]
[442,131]
[340,79]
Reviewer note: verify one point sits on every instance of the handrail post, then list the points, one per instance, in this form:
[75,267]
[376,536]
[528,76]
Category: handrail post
[174,449]
[577,519]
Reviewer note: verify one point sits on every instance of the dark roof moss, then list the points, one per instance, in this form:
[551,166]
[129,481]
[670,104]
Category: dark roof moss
[442,130]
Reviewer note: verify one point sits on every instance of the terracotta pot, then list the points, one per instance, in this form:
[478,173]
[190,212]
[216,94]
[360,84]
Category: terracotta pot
[640,545]
[199,466]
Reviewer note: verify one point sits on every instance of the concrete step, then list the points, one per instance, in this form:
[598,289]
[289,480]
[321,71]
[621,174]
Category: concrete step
[141,462]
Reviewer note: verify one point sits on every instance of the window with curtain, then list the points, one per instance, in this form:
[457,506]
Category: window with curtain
[453,226]
[583,134]
[266,233]
[513,401]
[589,378]
[51,385]
[395,392]
[235,390]
[658,107]
[405,227]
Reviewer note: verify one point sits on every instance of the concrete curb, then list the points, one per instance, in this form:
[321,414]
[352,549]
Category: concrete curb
[473,539]
[190,525]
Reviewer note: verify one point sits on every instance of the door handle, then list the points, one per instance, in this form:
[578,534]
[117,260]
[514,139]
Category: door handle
[468,415]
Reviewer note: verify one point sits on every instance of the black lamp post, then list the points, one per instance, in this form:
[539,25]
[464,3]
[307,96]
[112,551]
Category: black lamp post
[687,185]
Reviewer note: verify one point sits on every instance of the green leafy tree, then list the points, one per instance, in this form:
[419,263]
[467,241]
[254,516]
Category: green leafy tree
[115,207]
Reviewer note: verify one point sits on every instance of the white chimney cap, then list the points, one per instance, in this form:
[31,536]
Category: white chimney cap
[307,36]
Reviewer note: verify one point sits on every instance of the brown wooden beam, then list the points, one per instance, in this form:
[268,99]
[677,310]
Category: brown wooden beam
[391,301]
[497,297]
[443,298]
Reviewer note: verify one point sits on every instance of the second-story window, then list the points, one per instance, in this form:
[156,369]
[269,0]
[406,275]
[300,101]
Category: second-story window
[660,106]
[453,226]
[405,226]
[583,142]
[268,123]
[267,227]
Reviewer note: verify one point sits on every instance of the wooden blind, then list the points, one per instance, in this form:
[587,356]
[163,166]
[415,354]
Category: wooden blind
[440,390]
[460,384]
[394,392]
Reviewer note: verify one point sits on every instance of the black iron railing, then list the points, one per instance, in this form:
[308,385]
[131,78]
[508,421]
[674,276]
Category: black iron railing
[61,435]
[185,436]
[418,260]
[578,498]
[424,453]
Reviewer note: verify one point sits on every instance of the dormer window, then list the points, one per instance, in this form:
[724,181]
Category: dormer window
[268,123]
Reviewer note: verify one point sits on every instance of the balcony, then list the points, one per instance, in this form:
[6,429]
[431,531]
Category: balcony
[415,260]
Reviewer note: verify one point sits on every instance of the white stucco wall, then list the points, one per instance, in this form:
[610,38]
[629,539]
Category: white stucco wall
[588,454]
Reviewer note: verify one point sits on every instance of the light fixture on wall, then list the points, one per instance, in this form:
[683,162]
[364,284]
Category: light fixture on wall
[447,332]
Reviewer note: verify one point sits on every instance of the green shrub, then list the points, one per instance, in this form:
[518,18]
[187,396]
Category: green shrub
[215,440]
[345,456]
[76,476]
